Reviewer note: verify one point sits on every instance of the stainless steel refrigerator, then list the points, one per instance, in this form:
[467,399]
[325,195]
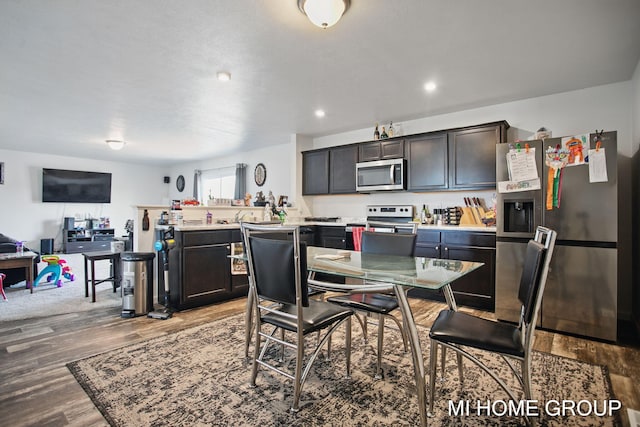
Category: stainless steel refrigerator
[581,290]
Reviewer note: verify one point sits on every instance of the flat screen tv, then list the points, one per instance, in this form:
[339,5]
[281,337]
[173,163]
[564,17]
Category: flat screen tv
[69,186]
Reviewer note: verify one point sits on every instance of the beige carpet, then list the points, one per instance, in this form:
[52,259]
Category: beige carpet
[49,300]
[199,377]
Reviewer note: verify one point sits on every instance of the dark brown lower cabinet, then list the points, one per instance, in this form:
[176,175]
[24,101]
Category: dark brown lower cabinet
[476,289]
[200,269]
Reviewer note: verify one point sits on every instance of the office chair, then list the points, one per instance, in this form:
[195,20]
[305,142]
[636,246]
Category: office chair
[391,241]
[278,269]
[460,331]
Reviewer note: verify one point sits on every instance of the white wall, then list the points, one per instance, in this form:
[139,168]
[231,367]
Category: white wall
[23,216]
[279,160]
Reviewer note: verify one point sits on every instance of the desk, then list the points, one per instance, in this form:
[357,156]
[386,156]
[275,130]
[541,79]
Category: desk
[114,277]
[19,260]
[389,273]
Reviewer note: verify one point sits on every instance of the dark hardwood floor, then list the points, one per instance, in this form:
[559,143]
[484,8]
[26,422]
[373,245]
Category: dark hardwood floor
[36,388]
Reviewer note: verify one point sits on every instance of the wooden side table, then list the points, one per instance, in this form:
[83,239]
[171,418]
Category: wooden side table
[17,260]
[114,277]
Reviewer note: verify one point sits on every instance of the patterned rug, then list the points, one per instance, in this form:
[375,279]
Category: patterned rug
[199,377]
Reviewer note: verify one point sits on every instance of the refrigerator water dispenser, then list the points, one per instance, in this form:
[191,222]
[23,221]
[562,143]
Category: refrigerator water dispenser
[518,216]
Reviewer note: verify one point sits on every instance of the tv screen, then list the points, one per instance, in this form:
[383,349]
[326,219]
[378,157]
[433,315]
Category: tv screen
[75,186]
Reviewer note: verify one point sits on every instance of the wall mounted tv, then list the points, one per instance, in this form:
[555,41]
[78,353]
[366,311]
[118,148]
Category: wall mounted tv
[69,186]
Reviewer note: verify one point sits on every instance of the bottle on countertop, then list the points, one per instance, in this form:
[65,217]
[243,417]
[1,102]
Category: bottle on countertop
[376,133]
[209,217]
[391,130]
[383,135]
[423,214]
[145,221]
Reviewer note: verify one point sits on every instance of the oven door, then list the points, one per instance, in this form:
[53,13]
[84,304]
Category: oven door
[380,175]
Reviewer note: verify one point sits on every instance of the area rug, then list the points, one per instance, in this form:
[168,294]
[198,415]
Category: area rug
[199,377]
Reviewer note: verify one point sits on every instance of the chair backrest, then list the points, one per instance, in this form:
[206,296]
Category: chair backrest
[277,263]
[534,274]
[388,243]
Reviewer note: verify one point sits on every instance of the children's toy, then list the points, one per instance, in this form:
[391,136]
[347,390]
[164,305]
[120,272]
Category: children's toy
[54,271]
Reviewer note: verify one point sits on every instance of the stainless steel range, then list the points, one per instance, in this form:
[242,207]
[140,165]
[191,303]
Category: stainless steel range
[390,213]
[381,213]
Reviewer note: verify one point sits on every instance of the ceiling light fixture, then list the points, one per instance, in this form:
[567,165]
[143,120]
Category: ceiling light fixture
[320,113]
[223,76]
[324,13]
[430,86]
[115,144]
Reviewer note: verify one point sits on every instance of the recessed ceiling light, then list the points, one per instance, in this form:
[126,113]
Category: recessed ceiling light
[115,144]
[430,86]
[319,113]
[223,76]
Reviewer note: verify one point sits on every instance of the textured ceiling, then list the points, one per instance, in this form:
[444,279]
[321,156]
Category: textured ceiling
[74,73]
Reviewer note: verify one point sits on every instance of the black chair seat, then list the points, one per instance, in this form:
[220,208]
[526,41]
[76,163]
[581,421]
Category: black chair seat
[464,329]
[318,315]
[376,303]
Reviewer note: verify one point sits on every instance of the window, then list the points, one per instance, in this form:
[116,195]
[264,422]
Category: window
[218,183]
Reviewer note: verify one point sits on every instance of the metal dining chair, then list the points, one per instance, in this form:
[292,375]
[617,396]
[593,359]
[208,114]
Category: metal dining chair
[278,269]
[461,332]
[397,239]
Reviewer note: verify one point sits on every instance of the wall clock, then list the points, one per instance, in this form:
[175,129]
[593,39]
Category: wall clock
[180,183]
[260,174]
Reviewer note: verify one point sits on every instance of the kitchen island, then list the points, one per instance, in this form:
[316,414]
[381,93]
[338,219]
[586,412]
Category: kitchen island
[201,273]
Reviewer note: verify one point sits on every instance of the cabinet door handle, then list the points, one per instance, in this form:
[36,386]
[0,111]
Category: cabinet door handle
[437,247]
[446,249]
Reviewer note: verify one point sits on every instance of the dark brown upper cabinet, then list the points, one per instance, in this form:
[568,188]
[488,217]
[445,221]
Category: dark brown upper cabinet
[315,172]
[342,169]
[380,150]
[427,162]
[457,159]
[472,156]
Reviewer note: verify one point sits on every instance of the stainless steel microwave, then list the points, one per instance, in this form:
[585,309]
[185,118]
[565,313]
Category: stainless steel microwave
[381,175]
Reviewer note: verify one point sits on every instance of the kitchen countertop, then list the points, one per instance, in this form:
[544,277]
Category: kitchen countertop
[203,227]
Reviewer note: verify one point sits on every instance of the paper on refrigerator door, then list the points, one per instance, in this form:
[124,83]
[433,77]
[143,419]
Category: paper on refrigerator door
[513,186]
[522,164]
[597,166]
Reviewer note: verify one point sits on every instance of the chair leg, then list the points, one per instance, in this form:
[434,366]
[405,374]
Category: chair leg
[443,356]
[401,329]
[459,357]
[256,352]
[526,384]
[297,388]
[433,357]
[281,345]
[347,345]
[380,342]
[248,322]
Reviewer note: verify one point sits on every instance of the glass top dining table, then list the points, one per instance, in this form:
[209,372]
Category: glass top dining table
[390,273]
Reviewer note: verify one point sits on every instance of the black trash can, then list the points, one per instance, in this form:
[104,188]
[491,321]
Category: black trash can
[137,283]
[46,246]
